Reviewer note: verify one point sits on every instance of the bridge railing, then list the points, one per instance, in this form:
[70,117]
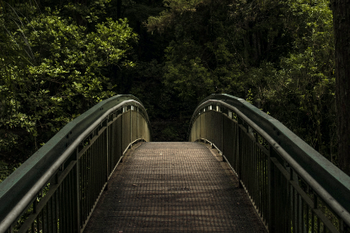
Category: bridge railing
[292,187]
[57,188]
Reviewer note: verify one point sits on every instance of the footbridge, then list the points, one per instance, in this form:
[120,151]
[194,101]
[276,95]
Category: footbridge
[241,171]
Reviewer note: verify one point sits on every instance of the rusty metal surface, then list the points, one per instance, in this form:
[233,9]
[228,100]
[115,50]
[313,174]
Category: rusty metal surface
[174,187]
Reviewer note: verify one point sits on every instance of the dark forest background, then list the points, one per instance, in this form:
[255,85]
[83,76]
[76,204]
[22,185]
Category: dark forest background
[59,58]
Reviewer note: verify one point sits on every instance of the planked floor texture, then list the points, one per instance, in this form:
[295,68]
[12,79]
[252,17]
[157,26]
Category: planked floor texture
[174,187]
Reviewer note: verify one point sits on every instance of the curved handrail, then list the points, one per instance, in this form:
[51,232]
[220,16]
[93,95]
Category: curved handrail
[23,185]
[326,176]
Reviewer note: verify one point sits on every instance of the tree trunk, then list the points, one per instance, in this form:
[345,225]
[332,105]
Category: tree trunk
[119,9]
[341,15]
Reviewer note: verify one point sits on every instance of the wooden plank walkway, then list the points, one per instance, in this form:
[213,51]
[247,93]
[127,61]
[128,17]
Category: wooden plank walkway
[174,187]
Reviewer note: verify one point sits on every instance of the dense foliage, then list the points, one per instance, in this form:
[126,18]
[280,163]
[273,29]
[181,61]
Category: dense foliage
[53,68]
[61,57]
[278,53]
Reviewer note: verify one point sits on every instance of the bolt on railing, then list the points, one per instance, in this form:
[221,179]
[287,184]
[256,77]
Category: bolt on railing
[292,187]
[58,187]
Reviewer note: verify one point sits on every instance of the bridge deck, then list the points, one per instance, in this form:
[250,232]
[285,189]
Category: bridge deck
[174,187]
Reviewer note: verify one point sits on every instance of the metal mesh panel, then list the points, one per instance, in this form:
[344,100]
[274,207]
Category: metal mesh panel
[93,174]
[203,129]
[126,122]
[215,129]
[114,143]
[230,145]
[139,125]
[134,125]
[197,132]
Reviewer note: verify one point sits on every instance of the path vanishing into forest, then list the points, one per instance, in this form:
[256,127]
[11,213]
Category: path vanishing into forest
[174,187]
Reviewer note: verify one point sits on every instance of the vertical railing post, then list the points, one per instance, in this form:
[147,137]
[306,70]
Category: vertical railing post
[107,152]
[77,180]
[131,107]
[200,125]
[239,153]
[137,124]
[222,131]
[270,190]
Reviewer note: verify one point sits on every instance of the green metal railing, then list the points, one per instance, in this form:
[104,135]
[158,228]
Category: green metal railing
[292,187]
[57,188]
